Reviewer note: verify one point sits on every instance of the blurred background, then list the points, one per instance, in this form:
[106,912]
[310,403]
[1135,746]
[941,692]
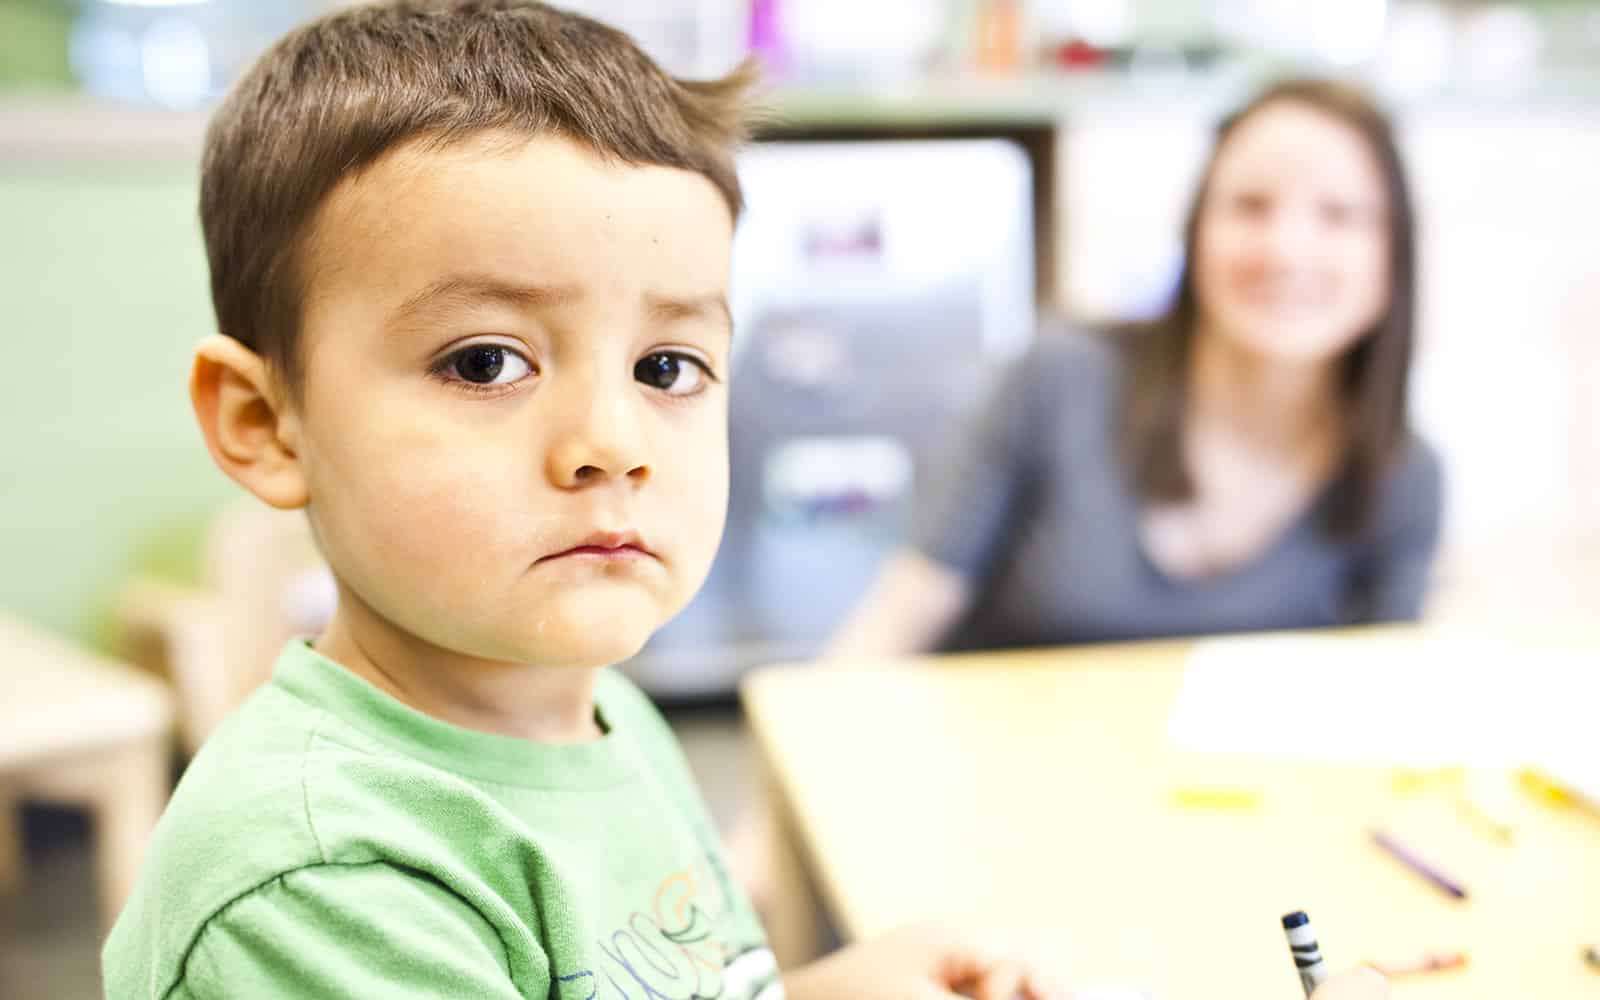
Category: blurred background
[1073,129]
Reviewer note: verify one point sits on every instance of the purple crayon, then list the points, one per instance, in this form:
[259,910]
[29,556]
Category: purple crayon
[1416,864]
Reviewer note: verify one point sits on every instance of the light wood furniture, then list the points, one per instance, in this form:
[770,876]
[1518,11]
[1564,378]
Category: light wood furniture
[1037,790]
[263,582]
[81,729]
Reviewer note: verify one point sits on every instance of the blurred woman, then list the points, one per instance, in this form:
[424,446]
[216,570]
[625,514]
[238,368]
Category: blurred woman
[1242,463]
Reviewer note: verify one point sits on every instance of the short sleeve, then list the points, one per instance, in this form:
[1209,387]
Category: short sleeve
[349,931]
[964,502]
[1401,563]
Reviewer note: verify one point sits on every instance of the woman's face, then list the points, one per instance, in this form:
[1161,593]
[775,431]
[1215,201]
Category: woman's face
[1292,256]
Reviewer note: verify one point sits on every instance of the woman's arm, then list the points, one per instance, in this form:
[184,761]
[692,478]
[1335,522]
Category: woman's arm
[964,513]
[1402,563]
[913,602]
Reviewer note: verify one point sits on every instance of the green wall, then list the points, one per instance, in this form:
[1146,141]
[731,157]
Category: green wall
[102,474]
[33,45]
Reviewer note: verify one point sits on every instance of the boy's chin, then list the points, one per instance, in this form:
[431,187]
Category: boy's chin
[596,637]
[586,651]
[574,627]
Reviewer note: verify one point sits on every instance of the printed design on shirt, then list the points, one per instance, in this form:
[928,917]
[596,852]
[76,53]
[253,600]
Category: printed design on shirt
[677,949]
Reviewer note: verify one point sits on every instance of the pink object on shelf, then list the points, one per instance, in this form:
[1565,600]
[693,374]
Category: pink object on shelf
[767,37]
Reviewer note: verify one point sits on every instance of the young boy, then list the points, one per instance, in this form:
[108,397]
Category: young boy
[470,265]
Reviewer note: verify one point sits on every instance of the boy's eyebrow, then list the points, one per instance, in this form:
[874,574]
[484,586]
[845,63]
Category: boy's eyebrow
[468,288]
[464,289]
[667,308]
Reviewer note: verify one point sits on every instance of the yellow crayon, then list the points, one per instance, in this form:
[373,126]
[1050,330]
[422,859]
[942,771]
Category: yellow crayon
[1485,801]
[1543,788]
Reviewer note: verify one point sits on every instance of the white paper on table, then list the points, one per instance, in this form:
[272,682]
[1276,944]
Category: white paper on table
[1424,703]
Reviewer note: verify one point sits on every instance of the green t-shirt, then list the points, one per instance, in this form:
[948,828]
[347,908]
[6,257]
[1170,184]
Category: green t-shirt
[329,841]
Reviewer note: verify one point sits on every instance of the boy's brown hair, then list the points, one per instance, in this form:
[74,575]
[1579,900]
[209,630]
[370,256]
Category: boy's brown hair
[333,96]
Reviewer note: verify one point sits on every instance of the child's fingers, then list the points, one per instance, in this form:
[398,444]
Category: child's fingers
[1039,986]
[986,964]
[1014,980]
[1000,981]
[1010,979]
[1020,971]
[1362,983]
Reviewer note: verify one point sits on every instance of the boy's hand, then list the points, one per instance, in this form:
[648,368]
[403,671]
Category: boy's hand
[1362,983]
[938,962]
[922,962]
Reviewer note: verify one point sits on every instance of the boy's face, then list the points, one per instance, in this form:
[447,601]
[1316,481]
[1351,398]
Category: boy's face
[513,419]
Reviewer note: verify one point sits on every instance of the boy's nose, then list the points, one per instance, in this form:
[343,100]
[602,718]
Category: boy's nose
[606,445]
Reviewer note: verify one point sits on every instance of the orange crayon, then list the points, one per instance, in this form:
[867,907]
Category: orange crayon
[1433,962]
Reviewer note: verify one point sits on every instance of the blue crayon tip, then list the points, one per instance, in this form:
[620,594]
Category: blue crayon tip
[1296,919]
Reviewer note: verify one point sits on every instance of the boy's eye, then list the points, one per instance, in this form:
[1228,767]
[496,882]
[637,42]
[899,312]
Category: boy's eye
[674,374]
[487,364]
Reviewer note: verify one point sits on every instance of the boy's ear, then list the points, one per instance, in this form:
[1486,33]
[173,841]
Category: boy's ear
[251,432]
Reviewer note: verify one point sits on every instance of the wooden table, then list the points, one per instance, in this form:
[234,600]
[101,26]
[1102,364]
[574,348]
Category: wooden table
[79,728]
[1038,790]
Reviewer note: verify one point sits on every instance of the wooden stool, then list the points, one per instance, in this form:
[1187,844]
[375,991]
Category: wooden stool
[78,728]
[263,582]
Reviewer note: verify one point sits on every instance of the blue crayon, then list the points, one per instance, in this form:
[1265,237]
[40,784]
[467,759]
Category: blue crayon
[1303,948]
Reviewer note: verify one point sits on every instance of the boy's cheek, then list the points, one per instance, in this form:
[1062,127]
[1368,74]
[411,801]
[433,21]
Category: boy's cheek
[420,520]
[437,505]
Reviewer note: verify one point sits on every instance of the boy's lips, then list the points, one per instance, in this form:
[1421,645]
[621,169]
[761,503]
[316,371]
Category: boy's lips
[605,545]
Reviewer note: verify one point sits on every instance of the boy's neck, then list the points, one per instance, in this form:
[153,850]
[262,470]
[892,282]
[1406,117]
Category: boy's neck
[526,701]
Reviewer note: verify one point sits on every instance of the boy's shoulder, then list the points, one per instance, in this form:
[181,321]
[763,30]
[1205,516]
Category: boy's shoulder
[237,820]
[287,792]
[282,790]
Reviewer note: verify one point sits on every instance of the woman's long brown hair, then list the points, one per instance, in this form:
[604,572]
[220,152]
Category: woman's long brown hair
[1375,370]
